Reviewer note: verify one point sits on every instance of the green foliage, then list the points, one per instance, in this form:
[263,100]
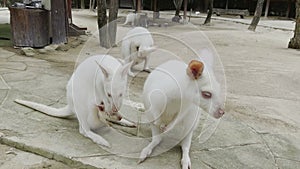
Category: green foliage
[5,32]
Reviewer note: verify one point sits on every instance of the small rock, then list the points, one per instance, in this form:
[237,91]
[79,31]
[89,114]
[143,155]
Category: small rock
[63,47]
[1,134]
[51,47]
[83,38]
[28,51]
[42,51]
[75,43]
[11,152]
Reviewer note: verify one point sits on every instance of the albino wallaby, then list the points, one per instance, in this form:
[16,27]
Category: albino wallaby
[94,94]
[131,18]
[137,19]
[173,94]
[136,46]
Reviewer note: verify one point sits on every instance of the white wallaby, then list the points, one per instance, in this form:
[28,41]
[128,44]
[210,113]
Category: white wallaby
[131,18]
[173,94]
[94,94]
[137,46]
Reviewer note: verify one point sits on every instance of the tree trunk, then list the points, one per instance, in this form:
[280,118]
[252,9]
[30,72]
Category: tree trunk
[155,9]
[288,9]
[267,8]
[138,6]
[112,26]
[4,3]
[82,6]
[185,2]
[92,5]
[295,41]
[257,14]
[177,4]
[210,12]
[102,23]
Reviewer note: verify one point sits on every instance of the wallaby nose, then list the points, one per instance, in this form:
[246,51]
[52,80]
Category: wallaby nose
[221,112]
[114,109]
[119,118]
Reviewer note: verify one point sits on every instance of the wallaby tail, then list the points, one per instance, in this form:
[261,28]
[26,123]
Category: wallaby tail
[60,112]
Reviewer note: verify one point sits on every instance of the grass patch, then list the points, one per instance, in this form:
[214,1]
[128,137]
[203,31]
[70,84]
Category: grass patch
[5,33]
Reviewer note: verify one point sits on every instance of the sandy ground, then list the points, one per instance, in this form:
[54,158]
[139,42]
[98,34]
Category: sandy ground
[260,130]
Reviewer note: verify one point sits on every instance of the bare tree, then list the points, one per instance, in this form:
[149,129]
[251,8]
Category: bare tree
[185,3]
[112,26]
[82,5]
[177,4]
[257,14]
[107,31]
[102,23]
[295,41]
[210,12]
[92,5]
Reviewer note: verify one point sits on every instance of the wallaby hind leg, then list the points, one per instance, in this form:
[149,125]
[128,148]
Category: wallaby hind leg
[156,139]
[86,126]
[146,66]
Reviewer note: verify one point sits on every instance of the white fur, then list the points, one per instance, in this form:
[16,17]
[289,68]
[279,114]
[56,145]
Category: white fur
[172,100]
[136,47]
[131,18]
[97,79]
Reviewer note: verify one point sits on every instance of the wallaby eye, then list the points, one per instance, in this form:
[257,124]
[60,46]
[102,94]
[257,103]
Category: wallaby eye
[206,94]
[108,94]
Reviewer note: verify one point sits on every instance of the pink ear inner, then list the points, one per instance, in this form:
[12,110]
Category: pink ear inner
[195,69]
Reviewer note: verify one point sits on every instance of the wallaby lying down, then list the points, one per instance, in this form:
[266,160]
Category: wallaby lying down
[94,94]
[136,46]
[173,94]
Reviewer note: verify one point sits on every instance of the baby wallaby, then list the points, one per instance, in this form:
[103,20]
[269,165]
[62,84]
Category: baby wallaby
[137,19]
[94,94]
[131,18]
[136,47]
[173,94]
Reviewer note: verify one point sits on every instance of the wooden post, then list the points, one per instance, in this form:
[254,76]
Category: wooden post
[59,21]
[267,8]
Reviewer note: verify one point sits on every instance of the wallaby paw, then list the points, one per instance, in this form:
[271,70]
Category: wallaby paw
[131,74]
[148,70]
[144,154]
[186,163]
[103,143]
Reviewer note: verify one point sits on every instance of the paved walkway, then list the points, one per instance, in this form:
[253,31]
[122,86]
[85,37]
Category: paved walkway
[260,130]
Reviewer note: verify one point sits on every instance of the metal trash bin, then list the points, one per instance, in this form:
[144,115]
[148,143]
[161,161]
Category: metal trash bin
[30,27]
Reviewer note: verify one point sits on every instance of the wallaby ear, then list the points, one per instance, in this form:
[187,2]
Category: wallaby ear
[104,70]
[125,68]
[151,49]
[195,69]
[207,57]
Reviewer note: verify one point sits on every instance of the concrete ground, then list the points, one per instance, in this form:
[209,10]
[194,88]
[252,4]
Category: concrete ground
[260,129]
